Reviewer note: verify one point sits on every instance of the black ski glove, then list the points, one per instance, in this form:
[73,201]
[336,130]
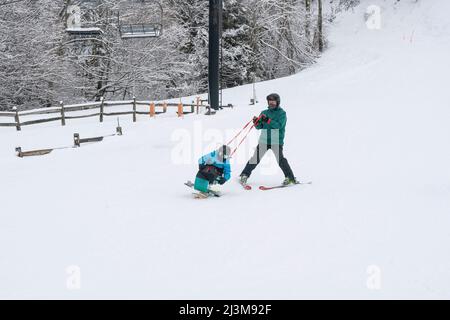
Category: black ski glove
[222,180]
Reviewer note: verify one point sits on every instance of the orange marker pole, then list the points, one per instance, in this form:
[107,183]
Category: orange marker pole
[152,110]
[180,110]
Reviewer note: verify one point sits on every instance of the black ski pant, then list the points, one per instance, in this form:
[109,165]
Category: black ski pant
[260,151]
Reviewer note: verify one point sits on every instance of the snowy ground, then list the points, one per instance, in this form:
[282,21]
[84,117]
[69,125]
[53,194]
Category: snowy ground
[368,124]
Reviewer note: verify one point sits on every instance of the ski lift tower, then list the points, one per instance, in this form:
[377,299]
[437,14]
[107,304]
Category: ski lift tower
[140,19]
[215,34]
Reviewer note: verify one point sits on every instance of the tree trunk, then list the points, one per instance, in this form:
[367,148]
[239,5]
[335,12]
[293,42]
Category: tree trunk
[320,26]
[308,20]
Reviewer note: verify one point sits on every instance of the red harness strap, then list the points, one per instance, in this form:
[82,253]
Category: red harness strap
[246,135]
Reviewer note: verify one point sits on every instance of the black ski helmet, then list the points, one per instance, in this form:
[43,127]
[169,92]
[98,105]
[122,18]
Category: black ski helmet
[224,152]
[275,97]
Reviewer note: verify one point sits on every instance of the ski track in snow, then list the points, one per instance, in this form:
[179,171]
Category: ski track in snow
[368,124]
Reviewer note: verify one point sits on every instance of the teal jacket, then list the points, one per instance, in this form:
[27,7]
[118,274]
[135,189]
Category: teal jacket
[213,160]
[274,130]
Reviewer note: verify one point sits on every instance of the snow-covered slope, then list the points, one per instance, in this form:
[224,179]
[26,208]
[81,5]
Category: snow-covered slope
[368,124]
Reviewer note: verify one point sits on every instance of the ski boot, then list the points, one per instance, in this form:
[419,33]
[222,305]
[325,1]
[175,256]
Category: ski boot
[290,181]
[243,179]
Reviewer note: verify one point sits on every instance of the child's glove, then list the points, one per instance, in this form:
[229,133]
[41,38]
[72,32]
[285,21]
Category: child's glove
[222,180]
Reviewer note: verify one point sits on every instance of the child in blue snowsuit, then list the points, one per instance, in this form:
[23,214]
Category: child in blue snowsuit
[213,168]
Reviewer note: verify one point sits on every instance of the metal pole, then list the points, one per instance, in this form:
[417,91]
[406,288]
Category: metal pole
[215,19]
[221,68]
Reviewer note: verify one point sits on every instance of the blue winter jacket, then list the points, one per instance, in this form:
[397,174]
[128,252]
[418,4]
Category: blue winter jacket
[212,159]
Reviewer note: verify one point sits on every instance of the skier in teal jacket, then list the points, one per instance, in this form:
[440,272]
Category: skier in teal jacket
[213,168]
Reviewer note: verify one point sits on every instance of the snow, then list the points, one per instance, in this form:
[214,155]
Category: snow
[368,124]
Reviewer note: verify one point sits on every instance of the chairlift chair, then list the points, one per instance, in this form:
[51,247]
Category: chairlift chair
[140,31]
[84,31]
[133,27]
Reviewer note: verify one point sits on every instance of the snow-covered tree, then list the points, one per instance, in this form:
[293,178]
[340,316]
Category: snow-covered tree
[41,63]
[30,65]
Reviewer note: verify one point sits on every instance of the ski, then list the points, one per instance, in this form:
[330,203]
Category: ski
[246,186]
[189,184]
[200,195]
[210,192]
[264,188]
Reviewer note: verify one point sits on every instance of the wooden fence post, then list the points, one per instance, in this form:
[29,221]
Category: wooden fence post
[134,109]
[17,119]
[76,139]
[102,107]
[152,110]
[19,152]
[165,107]
[63,115]
[198,105]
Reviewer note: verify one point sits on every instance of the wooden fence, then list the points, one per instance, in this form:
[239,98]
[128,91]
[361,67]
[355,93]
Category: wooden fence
[63,112]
